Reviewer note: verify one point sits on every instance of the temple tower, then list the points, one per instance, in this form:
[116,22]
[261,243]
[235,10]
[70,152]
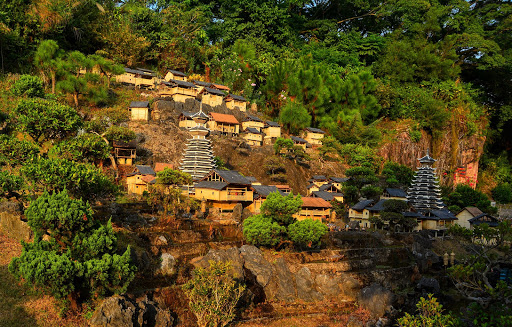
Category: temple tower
[198,158]
[424,193]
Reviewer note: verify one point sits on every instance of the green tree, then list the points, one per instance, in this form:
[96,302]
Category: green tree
[392,214]
[430,313]
[167,192]
[10,184]
[29,86]
[307,233]
[397,174]
[294,116]
[464,196]
[48,58]
[72,81]
[87,147]
[281,208]
[213,294]
[79,179]
[76,257]
[282,144]
[46,119]
[502,193]
[118,133]
[261,230]
[360,176]
[16,152]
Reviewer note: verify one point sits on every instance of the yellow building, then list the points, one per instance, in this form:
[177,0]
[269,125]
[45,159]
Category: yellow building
[175,75]
[272,131]
[338,181]
[139,110]
[316,209]
[253,137]
[438,220]
[328,192]
[360,214]
[299,141]
[212,97]
[234,101]
[223,124]
[179,91]
[125,152]
[185,120]
[223,189]
[201,85]
[139,181]
[253,122]
[314,136]
[139,78]
[260,195]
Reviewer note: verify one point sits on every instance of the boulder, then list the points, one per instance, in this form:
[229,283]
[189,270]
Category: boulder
[428,285]
[232,255]
[256,264]
[237,213]
[115,311]
[246,213]
[349,287]
[282,287]
[305,286]
[326,285]
[376,299]
[11,223]
[161,241]
[167,265]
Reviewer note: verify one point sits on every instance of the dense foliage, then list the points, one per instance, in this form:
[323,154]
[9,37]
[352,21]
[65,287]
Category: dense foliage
[83,148]
[72,254]
[307,233]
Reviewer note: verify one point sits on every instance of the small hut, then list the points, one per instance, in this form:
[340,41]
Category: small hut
[253,136]
[272,132]
[175,75]
[253,122]
[212,97]
[236,101]
[178,90]
[139,110]
[125,152]
[314,136]
[224,124]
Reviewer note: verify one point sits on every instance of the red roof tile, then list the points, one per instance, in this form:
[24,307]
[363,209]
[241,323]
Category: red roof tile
[159,166]
[224,118]
[311,202]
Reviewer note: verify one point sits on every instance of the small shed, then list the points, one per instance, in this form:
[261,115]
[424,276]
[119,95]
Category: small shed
[212,97]
[253,136]
[299,141]
[314,136]
[139,181]
[314,208]
[125,152]
[201,85]
[186,120]
[175,75]
[139,78]
[236,101]
[224,124]
[178,90]
[466,214]
[139,110]
[272,132]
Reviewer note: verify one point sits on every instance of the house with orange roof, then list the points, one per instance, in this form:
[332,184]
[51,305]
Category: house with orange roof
[220,87]
[316,209]
[223,124]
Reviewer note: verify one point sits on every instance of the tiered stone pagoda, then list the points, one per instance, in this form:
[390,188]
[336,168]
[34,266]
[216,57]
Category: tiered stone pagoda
[198,158]
[424,194]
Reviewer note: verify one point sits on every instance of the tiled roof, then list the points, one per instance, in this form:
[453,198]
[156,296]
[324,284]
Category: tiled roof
[232,177]
[361,205]
[145,170]
[215,185]
[252,130]
[236,97]
[379,206]
[474,211]
[187,114]
[298,139]
[311,202]
[180,83]
[251,179]
[220,86]
[315,130]
[177,73]
[339,179]
[272,123]
[252,118]
[311,185]
[159,166]
[396,192]
[265,190]
[139,104]
[148,179]
[484,218]
[201,83]
[224,118]
[442,214]
[327,196]
[319,177]
[146,72]
[213,91]
[325,187]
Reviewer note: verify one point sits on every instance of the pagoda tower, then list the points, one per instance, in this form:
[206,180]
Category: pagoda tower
[424,193]
[198,158]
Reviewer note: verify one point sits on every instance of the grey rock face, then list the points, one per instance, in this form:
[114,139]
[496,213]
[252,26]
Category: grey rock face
[256,264]
[376,299]
[167,265]
[306,286]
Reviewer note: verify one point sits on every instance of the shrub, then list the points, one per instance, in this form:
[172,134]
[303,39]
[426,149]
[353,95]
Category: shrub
[213,294]
[118,133]
[84,148]
[307,233]
[262,231]
[9,183]
[28,85]
[15,152]
[430,313]
[281,208]
[502,193]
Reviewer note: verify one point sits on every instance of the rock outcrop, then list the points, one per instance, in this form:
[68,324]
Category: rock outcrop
[11,222]
[119,311]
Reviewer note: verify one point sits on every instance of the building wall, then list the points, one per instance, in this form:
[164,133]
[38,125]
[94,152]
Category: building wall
[223,128]
[229,194]
[170,76]
[254,124]
[139,114]
[302,145]
[212,99]
[314,138]
[187,123]
[241,105]
[181,97]
[272,131]
[253,139]
[136,185]
[313,213]
[464,218]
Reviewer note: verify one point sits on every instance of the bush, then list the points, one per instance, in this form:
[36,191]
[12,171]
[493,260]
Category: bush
[262,231]
[502,193]
[118,133]
[15,152]
[9,183]
[430,313]
[281,208]
[307,233]
[28,85]
[84,148]
[213,294]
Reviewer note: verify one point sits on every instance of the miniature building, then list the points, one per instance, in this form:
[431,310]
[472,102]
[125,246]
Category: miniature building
[328,196]
[272,131]
[253,137]
[201,85]
[484,218]
[299,141]
[314,208]
[223,189]
[253,180]
[178,90]
[125,152]
[220,87]
[236,102]
[260,195]
[212,97]
[314,136]
[198,158]
[139,181]
[254,122]
[159,166]
[359,214]
[318,180]
[140,78]
[338,181]
[394,194]
[436,220]
[175,75]
[472,216]
[224,124]
[139,110]
[186,121]
[286,189]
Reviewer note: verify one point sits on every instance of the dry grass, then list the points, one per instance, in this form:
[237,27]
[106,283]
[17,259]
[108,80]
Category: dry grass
[20,305]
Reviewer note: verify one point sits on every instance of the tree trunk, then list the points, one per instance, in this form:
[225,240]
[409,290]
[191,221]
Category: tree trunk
[54,77]
[75,97]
